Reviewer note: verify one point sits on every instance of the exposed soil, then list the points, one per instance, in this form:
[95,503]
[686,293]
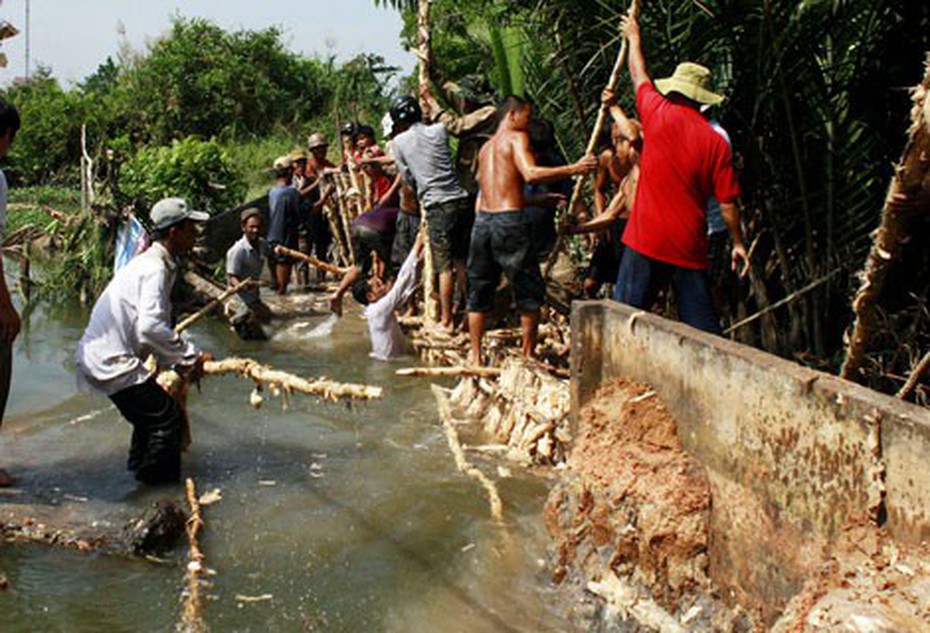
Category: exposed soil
[632,531]
[635,505]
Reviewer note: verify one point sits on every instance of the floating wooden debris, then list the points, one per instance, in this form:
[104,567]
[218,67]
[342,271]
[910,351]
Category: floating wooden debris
[446,372]
[192,612]
[461,462]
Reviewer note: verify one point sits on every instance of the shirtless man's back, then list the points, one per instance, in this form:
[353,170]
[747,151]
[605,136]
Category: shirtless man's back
[501,242]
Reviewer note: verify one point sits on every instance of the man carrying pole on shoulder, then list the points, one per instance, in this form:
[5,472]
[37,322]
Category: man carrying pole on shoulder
[129,322]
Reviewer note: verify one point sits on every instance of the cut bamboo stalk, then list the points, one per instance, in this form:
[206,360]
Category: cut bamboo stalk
[450,372]
[592,140]
[344,218]
[461,462]
[192,612]
[288,383]
[313,261]
[226,294]
[916,375]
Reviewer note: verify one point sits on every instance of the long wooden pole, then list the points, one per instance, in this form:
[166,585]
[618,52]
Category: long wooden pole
[226,294]
[595,134]
[313,261]
[424,57]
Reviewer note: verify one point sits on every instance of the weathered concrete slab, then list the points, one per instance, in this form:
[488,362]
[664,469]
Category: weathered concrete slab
[809,447]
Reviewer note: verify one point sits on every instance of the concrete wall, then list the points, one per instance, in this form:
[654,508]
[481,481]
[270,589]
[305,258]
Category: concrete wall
[806,451]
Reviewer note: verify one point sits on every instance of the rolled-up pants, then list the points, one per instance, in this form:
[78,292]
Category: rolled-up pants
[157,422]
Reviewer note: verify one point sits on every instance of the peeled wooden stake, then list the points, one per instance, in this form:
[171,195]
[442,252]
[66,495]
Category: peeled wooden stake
[313,261]
[192,613]
[226,294]
[439,372]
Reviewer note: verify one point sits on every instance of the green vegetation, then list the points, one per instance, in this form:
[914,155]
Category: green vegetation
[201,114]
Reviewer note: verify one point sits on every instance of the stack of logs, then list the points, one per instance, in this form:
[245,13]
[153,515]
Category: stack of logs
[521,405]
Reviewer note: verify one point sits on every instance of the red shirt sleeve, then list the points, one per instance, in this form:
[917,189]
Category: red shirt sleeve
[648,100]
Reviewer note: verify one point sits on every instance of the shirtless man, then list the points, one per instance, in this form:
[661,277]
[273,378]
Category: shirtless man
[501,241]
[618,169]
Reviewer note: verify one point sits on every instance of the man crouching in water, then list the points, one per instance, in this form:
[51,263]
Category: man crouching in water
[501,239]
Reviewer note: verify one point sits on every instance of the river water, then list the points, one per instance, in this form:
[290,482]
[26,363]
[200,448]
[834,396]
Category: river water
[350,519]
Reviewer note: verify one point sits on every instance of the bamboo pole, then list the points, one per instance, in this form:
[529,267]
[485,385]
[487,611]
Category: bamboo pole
[424,59]
[226,294]
[343,216]
[592,140]
[920,370]
[461,462]
[313,261]
[447,372]
[786,300]
[192,613]
[283,381]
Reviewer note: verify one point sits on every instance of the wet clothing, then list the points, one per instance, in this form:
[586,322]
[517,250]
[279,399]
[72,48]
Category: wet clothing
[449,225]
[157,428]
[682,165]
[283,218]
[501,242]
[245,261]
[422,156]
[387,339]
[641,278]
[408,225]
[130,321]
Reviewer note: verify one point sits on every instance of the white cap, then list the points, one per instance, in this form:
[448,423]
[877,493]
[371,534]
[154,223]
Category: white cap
[170,211]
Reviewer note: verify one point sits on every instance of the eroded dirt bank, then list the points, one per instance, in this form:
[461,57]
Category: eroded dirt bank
[631,530]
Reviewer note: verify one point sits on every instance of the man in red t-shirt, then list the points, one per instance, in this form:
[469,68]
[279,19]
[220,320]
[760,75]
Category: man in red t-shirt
[683,163]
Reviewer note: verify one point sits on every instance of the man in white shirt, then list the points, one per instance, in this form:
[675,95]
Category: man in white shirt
[382,299]
[9,319]
[130,321]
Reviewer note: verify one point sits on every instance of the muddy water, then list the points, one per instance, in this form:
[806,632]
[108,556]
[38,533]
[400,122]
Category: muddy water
[349,519]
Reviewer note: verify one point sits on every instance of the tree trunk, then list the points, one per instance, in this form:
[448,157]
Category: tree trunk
[907,195]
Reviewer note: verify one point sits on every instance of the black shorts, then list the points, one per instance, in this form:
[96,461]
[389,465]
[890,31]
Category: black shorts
[501,242]
[605,261]
[449,232]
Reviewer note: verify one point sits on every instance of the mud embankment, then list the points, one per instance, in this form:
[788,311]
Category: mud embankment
[634,540]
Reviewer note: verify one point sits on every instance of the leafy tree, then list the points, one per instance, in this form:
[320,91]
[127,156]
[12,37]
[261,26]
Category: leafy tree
[199,171]
[47,146]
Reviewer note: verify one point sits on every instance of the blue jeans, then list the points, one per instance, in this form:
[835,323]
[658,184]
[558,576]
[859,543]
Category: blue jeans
[640,279]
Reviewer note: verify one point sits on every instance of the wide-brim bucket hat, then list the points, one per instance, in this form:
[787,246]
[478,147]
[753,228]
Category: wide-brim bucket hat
[691,80]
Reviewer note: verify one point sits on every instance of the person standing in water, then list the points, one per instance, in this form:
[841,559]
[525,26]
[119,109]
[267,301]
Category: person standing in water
[9,318]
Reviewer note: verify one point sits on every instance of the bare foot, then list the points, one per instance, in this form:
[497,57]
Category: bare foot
[6,480]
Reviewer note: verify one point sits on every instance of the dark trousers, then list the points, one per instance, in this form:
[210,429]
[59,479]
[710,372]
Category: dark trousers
[640,279]
[6,374]
[157,422]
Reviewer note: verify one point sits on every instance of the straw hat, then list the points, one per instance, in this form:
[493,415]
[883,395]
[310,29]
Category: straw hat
[691,80]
